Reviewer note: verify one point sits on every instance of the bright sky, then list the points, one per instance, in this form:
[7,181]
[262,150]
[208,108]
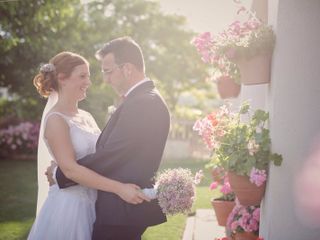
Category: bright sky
[204,15]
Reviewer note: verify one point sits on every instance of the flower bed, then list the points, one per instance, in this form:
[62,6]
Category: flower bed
[20,139]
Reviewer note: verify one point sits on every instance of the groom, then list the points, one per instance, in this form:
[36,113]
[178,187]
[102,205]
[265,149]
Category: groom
[131,145]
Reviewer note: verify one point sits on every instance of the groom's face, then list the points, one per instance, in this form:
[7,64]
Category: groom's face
[113,75]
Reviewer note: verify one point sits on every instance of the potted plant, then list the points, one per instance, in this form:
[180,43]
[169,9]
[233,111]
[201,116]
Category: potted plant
[250,48]
[241,52]
[241,148]
[224,204]
[222,71]
[244,222]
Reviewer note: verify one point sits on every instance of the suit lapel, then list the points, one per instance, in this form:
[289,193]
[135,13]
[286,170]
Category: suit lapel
[143,88]
[109,126]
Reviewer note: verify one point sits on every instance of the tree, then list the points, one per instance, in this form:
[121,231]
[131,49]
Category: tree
[170,58]
[34,31]
[31,32]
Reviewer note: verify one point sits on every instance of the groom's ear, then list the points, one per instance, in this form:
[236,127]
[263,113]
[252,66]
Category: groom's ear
[127,70]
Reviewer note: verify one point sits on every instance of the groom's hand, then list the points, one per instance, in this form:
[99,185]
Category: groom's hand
[131,193]
[49,173]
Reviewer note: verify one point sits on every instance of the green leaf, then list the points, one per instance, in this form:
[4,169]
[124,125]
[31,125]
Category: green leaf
[260,116]
[244,107]
[277,159]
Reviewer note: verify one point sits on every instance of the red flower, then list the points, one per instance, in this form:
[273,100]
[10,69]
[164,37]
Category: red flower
[213,119]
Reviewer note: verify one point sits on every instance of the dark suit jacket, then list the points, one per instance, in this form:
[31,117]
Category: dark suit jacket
[129,150]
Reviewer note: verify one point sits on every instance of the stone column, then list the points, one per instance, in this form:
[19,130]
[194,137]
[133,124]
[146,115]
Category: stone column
[294,106]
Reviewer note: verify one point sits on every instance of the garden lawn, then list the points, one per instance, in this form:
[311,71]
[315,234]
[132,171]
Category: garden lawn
[18,200]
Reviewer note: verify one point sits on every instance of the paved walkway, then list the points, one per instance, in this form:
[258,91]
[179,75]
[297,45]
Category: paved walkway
[203,226]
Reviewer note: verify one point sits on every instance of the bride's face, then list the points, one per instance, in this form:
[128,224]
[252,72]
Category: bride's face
[77,83]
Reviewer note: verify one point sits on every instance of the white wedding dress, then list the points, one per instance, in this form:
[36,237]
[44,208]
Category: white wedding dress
[69,214]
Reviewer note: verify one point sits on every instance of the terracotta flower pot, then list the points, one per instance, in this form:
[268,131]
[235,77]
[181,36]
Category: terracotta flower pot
[247,193]
[255,70]
[227,88]
[222,209]
[244,236]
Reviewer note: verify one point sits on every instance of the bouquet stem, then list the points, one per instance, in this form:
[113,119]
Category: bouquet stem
[150,192]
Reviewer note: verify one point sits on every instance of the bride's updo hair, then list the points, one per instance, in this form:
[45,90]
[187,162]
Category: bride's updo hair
[46,80]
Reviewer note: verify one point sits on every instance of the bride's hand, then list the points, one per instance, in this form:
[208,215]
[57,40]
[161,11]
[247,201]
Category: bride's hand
[131,193]
[49,173]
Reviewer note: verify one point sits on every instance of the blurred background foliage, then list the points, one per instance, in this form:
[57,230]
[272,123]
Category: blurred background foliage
[33,31]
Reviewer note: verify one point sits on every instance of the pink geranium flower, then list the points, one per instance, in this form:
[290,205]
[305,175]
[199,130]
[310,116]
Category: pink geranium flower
[258,177]
[214,185]
[244,219]
[225,188]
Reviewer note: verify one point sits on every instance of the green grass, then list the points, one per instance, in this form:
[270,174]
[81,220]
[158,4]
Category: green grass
[18,184]
[17,198]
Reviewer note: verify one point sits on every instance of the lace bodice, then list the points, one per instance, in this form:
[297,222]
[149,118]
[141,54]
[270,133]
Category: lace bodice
[84,132]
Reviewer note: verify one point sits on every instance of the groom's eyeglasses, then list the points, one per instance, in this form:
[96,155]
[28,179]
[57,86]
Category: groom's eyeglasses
[107,72]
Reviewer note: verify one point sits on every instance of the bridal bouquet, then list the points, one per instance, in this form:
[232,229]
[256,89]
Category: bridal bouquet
[175,190]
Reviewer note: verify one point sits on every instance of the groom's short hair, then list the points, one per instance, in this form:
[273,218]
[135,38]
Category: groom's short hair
[124,50]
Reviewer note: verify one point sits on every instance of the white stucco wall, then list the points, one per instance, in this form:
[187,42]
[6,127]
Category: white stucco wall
[293,100]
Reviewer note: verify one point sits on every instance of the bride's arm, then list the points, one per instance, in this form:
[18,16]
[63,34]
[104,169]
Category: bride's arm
[58,137]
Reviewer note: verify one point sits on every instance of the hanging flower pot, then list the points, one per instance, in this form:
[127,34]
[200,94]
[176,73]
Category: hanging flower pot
[255,70]
[227,88]
[248,194]
[222,208]
[240,147]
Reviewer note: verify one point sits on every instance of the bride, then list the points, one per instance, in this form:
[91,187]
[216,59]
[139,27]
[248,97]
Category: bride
[68,133]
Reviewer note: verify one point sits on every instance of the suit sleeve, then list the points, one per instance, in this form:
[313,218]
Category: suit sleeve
[131,129]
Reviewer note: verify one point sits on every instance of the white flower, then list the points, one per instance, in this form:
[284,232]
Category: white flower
[111,109]
[253,147]
[48,67]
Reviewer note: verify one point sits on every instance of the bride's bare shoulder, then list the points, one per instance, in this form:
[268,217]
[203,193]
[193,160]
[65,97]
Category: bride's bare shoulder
[54,121]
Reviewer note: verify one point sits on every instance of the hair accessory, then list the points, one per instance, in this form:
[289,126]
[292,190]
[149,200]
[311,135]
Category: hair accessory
[46,68]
